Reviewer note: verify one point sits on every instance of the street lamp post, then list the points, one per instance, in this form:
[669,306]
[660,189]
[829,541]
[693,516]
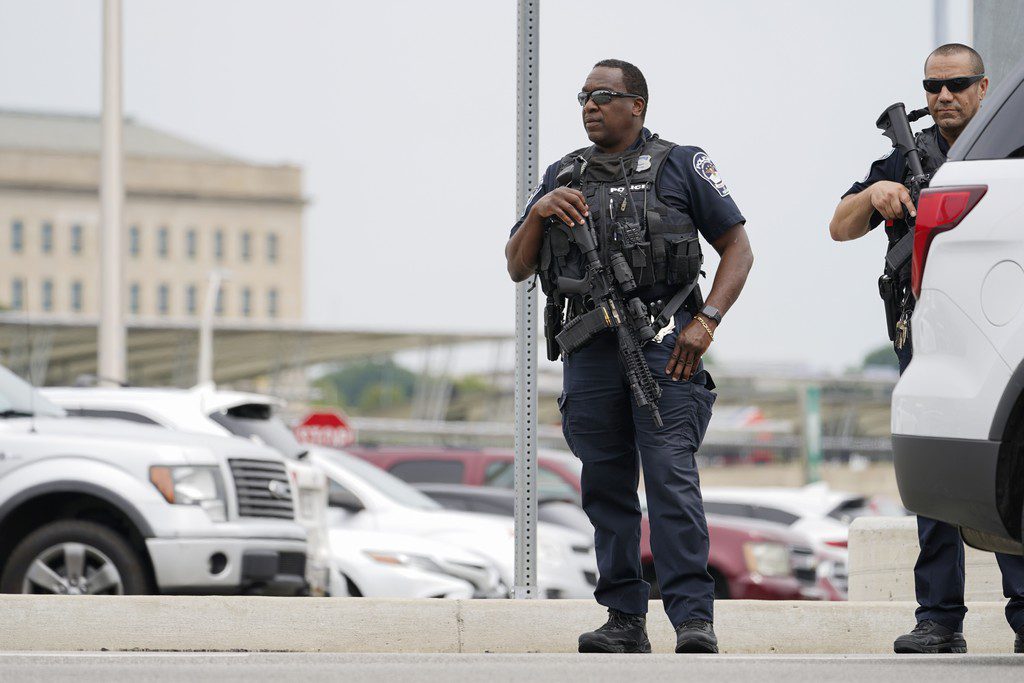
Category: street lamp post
[205,362]
[111,361]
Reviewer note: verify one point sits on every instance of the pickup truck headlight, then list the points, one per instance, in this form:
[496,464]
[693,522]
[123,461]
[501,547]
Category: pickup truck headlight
[767,559]
[190,485]
[405,560]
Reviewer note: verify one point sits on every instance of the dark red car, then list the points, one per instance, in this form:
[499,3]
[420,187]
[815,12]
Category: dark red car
[748,559]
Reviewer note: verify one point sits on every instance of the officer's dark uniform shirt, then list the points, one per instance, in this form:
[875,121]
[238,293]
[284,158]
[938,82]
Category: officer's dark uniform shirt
[893,166]
[712,209]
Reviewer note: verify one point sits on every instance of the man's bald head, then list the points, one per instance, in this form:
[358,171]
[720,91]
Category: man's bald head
[977,66]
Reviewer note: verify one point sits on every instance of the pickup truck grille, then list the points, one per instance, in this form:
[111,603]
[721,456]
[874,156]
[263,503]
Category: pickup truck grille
[254,482]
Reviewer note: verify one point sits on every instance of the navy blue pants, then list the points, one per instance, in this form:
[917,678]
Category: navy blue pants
[613,438]
[939,572]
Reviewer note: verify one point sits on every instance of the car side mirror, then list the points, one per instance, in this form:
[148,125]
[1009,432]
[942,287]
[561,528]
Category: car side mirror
[343,498]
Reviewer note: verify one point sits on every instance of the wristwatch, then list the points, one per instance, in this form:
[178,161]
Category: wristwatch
[712,313]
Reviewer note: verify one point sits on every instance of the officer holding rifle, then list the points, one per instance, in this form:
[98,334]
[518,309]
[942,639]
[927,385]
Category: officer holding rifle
[613,234]
[955,84]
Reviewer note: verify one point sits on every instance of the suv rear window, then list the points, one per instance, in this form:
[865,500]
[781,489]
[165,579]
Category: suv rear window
[429,471]
[1003,137]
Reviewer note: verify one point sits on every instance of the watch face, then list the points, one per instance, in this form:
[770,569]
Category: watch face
[712,312]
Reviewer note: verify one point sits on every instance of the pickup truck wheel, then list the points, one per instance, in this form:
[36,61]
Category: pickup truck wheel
[74,558]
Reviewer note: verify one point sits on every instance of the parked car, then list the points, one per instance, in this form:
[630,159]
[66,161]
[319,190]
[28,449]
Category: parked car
[105,507]
[958,410]
[559,479]
[206,410]
[365,497]
[820,513]
[376,564]
[749,560]
[490,500]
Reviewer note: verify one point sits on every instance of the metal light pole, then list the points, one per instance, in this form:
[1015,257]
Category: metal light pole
[205,363]
[810,409]
[941,15]
[527,74]
[111,363]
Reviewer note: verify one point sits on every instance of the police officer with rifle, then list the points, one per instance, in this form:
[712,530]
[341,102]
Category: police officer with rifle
[955,84]
[613,232]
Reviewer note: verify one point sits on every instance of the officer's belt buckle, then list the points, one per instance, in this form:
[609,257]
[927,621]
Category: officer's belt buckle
[665,331]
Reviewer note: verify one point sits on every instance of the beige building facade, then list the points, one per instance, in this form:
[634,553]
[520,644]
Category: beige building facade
[189,210]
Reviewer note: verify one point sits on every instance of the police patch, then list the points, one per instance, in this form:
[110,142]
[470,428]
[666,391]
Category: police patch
[705,168]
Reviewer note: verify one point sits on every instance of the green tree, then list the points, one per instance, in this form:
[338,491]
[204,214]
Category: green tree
[366,385]
[883,356]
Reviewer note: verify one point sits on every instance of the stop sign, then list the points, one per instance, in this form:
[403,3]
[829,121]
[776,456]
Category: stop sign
[326,429]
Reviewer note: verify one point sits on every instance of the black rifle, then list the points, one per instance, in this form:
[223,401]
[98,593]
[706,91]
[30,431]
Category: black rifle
[893,285]
[629,318]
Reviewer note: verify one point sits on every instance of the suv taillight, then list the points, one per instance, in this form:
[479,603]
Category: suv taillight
[939,209]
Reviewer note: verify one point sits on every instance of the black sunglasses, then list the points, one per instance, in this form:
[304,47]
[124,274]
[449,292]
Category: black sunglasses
[958,84]
[603,96]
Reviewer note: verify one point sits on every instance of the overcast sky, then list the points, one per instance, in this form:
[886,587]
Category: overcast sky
[402,115]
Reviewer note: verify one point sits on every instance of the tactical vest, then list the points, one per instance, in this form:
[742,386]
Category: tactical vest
[927,143]
[659,242]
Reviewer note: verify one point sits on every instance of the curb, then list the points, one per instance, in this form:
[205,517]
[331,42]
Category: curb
[224,624]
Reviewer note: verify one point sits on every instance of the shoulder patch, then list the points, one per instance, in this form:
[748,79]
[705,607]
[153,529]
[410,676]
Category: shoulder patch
[881,158]
[705,168]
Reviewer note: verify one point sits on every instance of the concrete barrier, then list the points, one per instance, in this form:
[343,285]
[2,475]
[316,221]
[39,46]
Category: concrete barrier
[883,551]
[173,623]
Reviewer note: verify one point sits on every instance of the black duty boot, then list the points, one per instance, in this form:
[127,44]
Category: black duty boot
[1018,642]
[621,633]
[696,635]
[930,637]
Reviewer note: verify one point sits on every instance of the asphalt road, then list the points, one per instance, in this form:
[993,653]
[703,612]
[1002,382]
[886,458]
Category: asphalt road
[535,668]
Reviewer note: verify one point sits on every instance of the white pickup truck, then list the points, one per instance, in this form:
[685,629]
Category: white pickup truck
[105,507]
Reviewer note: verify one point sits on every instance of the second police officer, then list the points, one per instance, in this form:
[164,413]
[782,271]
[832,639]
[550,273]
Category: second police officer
[664,195]
[955,84]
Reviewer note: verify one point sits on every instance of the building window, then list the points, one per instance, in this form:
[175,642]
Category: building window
[272,247]
[246,246]
[47,295]
[163,299]
[134,294]
[190,299]
[17,236]
[163,239]
[272,303]
[218,245]
[191,243]
[76,296]
[47,235]
[246,302]
[17,294]
[134,239]
[221,300]
[76,239]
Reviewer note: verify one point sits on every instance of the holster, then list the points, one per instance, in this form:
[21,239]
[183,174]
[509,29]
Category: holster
[888,289]
[552,324]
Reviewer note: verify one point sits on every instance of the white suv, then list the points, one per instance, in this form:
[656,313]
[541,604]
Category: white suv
[106,507]
[958,410]
[206,410]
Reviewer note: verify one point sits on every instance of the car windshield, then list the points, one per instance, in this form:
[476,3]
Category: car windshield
[391,486]
[18,398]
[851,509]
[256,421]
